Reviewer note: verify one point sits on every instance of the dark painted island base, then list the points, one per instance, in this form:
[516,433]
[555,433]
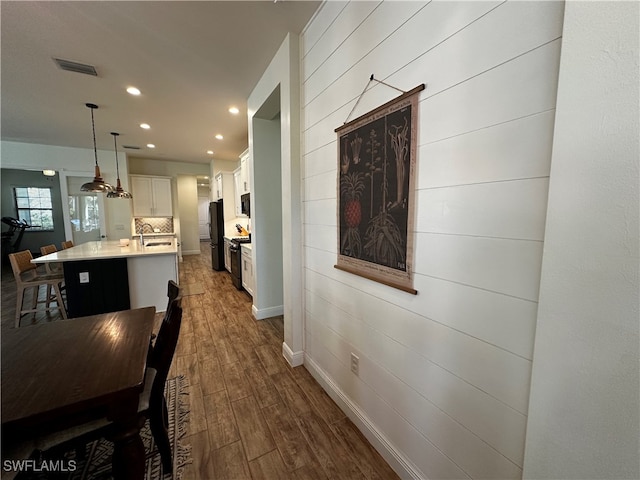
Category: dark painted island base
[96,286]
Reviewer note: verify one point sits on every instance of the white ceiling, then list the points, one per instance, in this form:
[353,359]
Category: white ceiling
[191,60]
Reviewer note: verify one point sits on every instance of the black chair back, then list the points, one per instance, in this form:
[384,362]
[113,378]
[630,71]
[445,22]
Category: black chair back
[164,349]
[173,290]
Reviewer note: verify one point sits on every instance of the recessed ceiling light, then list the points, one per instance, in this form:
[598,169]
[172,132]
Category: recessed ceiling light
[234,110]
[146,126]
[133,91]
[150,145]
[219,137]
[209,152]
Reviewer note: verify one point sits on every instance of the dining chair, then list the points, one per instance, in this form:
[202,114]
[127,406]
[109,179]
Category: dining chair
[160,360]
[151,405]
[173,292]
[67,244]
[27,277]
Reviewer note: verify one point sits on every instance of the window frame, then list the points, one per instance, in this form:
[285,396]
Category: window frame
[31,209]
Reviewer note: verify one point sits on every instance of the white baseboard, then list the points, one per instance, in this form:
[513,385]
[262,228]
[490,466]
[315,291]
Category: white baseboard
[191,252]
[295,359]
[401,465]
[269,312]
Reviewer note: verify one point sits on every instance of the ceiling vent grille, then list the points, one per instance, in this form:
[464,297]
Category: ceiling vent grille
[76,67]
[131,147]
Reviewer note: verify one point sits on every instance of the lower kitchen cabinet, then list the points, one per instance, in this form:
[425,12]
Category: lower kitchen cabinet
[247,269]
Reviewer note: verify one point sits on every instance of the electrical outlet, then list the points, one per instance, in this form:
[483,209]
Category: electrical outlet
[355,363]
[84,277]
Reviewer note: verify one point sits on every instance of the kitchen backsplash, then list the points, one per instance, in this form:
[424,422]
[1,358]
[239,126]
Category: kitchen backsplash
[164,224]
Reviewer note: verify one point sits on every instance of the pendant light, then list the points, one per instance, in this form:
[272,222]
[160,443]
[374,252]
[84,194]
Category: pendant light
[98,185]
[119,191]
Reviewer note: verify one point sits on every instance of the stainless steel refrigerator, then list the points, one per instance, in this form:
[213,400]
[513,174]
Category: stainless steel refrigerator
[216,234]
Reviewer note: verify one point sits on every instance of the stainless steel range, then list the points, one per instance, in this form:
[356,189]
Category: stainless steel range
[236,259]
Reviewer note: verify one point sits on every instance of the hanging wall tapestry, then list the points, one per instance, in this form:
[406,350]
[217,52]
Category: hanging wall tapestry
[376,164]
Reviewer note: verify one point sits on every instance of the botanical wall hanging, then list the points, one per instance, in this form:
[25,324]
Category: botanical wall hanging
[376,164]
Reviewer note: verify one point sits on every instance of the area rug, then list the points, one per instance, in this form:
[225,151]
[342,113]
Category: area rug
[191,289]
[96,464]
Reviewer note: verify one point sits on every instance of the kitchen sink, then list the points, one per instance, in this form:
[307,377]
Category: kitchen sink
[156,244]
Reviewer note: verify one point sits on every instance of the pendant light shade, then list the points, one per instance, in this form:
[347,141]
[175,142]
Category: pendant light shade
[119,192]
[98,185]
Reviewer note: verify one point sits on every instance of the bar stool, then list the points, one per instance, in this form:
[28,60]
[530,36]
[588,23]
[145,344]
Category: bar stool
[27,277]
[52,268]
[67,244]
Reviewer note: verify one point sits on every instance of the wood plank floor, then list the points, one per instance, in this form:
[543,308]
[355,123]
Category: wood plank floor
[252,415]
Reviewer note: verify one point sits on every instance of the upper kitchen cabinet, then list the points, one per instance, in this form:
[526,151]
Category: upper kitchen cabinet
[224,190]
[224,186]
[241,178]
[245,176]
[151,196]
[237,178]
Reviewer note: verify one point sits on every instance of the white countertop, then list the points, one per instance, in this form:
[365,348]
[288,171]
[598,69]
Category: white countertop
[228,237]
[110,249]
[246,246]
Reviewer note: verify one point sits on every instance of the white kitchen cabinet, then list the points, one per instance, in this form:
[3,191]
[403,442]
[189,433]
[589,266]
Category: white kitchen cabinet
[225,190]
[227,255]
[237,179]
[241,180]
[248,281]
[218,187]
[245,176]
[151,196]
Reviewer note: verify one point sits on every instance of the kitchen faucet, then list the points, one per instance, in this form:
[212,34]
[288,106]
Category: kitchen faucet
[142,230]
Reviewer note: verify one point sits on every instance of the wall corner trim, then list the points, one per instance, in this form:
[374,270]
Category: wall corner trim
[262,313]
[398,462]
[295,359]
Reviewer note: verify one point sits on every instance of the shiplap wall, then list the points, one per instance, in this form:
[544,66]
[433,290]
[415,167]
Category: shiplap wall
[444,375]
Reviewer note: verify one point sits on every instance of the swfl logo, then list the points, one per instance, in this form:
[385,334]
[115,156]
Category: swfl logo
[43,466]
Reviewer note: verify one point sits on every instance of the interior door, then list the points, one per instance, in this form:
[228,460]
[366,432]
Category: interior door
[83,212]
[203,217]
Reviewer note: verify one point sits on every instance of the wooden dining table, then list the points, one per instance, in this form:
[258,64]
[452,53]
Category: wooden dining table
[66,372]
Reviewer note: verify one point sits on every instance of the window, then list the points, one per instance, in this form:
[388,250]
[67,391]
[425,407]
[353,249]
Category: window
[85,212]
[34,206]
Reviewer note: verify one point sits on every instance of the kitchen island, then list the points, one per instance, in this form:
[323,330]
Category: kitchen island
[104,276]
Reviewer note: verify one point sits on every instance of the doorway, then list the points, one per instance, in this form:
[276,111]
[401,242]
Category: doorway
[282,76]
[267,209]
[203,217]
[84,212]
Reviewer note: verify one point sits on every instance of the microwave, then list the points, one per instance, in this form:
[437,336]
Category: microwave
[245,204]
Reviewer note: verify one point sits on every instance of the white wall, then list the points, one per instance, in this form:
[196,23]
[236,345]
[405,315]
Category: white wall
[584,410]
[444,375]
[187,188]
[165,168]
[267,207]
[218,166]
[28,156]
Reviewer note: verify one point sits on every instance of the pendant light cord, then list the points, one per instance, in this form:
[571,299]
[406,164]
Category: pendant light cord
[93,129]
[115,149]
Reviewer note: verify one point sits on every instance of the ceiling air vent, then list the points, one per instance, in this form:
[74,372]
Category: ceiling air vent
[70,66]
[131,147]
